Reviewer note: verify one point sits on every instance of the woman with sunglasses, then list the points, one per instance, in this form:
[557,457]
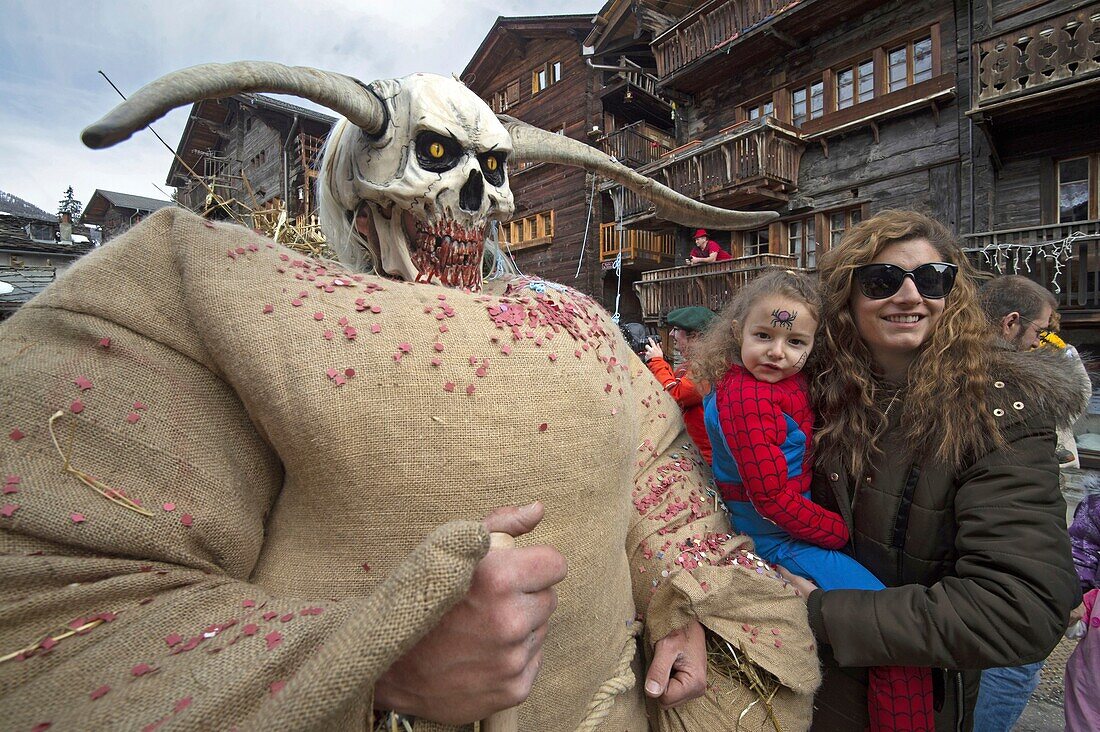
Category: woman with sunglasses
[937,449]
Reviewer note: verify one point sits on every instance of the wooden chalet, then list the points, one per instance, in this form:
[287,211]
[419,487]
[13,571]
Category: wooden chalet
[116,212]
[533,69]
[33,250]
[251,158]
[829,111]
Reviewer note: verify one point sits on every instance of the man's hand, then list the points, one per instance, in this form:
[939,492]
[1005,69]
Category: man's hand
[1077,613]
[678,671]
[802,586]
[652,350]
[486,651]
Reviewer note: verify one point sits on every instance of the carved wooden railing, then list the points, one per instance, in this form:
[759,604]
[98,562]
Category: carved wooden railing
[763,153]
[709,27]
[1039,56]
[709,285]
[638,77]
[635,244]
[1074,279]
[637,144]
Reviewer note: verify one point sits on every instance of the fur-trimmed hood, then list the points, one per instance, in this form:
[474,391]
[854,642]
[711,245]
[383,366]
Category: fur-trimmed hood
[1052,382]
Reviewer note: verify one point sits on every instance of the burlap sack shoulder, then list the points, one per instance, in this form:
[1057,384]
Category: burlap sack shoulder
[296,435]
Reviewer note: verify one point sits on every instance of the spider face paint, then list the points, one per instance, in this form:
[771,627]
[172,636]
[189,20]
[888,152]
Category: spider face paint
[775,341]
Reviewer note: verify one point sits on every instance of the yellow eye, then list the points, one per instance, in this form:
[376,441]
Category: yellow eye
[435,150]
[491,163]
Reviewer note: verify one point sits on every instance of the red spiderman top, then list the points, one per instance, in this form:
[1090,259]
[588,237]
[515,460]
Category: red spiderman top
[761,438]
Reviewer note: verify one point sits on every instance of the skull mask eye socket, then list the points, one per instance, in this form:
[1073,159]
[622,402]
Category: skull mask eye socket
[492,167]
[437,153]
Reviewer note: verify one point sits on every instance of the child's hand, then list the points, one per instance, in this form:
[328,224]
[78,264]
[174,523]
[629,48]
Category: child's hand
[653,350]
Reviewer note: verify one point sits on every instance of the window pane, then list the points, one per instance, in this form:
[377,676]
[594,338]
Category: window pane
[922,60]
[844,89]
[897,68]
[769,108]
[794,240]
[836,227]
[856,216]
[754,112]
[811,244]
[817,99]
[542,79]
[1073,190]
[866,80]
[557,70]
[798,107]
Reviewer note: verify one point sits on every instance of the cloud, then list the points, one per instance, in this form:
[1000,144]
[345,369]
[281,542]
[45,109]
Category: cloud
[51,52]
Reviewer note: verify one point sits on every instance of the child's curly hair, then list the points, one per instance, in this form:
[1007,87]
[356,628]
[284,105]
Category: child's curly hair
[720,344]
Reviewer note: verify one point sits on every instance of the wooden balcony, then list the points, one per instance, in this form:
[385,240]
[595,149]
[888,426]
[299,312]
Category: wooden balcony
[1074,278]
[709,285]
[747,164]
[637,144]
[723,34]
[1061,52]
[639,248]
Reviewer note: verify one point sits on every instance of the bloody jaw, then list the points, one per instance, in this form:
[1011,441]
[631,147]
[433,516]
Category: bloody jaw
[450,252]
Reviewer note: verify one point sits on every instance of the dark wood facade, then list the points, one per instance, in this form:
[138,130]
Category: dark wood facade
[249,157]
[533,69]
[981,114]
[115,213]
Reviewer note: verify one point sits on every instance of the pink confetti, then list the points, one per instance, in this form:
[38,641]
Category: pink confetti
[12,480]
[349,372]
[248,603]
[82,383]
[296,302]
[76,407]
[186,519]
[10,488]
[16,435]
[449,386]
[331,373]
[47,644]
[286,618]
[41,727]
[133,417]
[328,335]
[438,347]
[139,406]
[318,316]
[169,507]
[182,704]
[339,380]
[375,328]
[342,321]
[436,361]
[543,427]
[274,638]
[250,629]
[77,518]
[470,389]
[270,614]
[404,347]
[350,332]
[268,309]
[100,692]
[8,509]
[173,639]
[376,309]
[366,567]
[276,687]
[141,669]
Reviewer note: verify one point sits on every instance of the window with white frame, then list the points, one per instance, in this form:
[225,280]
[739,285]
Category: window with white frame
[802,242]
[757,242]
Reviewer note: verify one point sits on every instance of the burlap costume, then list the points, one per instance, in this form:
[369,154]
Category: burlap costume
[298,435]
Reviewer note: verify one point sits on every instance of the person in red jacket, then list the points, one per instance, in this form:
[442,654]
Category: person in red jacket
[706,250]
[686,324]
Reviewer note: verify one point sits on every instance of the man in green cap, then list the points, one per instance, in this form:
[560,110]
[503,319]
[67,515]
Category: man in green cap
[686,324]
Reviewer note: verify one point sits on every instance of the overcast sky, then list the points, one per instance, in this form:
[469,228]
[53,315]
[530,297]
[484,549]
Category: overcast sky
[51,51]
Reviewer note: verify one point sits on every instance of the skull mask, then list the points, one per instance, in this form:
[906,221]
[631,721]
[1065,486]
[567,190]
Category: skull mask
[424,191]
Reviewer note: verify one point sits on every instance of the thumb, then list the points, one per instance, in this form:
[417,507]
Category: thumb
[660,668]
[514,520]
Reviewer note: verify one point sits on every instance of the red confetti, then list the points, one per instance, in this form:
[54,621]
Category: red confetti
[270,614]
[269,308]
[82,383]
[366,567]
[248,603]
[141,669]
[186,519]
[182,704]
[276,687]
[318,316]
[286,618]
[8,509]
[173,639]
[41,727]
[250,629]
[375,328]
[77,518]
[470,389]
[12,480]
[273,639]
[169,507]
[77,407]
[16,435]
[328,335]
[104,342]
[349,372]
[543,427]
[100,692]
[10,488]
[47,643]
[312,611]
[449,386]
[133,417]
[139,406]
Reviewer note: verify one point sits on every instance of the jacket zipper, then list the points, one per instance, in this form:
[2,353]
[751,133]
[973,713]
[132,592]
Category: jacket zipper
[959,706]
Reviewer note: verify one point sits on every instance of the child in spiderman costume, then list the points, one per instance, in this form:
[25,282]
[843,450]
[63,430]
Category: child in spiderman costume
[759,421]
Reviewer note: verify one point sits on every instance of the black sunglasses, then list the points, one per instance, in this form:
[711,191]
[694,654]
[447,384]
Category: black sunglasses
[880,281]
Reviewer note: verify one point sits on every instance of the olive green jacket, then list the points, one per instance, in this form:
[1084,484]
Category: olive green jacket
[976,560]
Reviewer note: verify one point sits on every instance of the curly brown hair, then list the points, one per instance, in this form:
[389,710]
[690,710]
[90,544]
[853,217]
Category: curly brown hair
[720,344]
[944,397]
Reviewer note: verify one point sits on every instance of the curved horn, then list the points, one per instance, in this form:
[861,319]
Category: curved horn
[533,144]
[342,94]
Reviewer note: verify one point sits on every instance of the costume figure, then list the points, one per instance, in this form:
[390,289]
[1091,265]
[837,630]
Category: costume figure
[228,464]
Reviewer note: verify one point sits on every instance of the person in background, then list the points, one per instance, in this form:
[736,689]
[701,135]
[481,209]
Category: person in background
[706,250]
[1082,695]
[687,324]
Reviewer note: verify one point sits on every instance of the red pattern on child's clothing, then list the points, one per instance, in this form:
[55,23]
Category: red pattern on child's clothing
[751,414]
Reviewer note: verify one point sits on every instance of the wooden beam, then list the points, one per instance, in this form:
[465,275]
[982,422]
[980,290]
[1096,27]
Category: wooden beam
[782,37]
